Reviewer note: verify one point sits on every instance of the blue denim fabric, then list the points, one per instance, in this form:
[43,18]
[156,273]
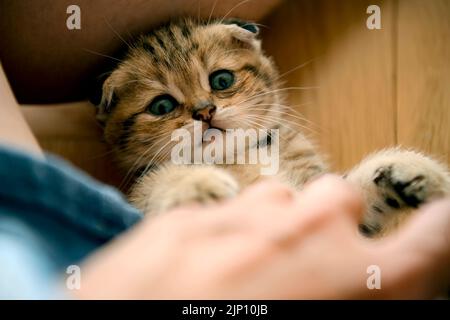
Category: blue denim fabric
[51,216]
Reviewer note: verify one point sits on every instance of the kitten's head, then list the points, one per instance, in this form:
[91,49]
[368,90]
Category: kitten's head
[214,73]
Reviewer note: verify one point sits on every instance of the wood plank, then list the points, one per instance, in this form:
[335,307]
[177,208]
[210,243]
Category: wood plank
[424,76]
[71,132]
[354,67]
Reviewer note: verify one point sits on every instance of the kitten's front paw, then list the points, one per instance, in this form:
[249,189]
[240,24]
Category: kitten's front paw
[394,182]
[207,186]
[174,186]
[409,187]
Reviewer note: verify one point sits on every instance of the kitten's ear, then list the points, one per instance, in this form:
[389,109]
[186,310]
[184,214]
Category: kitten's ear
[103,97]
[242,30]
[246,25]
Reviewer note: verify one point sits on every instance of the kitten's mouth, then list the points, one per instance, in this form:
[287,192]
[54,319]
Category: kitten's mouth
[215,124]
[211,126]
[217,128]
[207,127]
[212,139]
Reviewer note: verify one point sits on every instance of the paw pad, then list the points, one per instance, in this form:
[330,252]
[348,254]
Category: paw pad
[411,190]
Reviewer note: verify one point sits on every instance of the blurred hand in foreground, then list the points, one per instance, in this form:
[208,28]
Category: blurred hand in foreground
[273,243]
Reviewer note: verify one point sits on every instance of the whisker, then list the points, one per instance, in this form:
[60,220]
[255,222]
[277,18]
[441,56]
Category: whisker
[275,91]
[307,122]
[101,155]
[297,114]
[281,112]
[258,125]
[232,9]
[284,122]
[153,158]
[135,164]
[261,25]
[212,11]
[296,68]
[101,54]
[116,33]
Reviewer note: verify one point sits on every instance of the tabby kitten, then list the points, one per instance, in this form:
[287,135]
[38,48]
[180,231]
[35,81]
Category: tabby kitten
[215,73]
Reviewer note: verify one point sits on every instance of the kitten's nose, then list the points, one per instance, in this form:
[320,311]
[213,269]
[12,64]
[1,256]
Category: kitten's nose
[205,113]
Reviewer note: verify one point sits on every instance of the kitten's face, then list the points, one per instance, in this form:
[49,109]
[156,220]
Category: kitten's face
[215,74]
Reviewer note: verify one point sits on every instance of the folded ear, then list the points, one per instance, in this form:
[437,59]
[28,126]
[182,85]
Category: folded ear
[246,25]
[243,30]
[103,97]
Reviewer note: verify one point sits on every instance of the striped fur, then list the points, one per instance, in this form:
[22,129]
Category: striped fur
[177,59]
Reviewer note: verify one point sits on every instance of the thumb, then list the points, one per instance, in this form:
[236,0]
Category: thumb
[417,258]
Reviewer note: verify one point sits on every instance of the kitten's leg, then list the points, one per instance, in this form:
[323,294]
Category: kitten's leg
[300,162]
[173,185]
[394,183]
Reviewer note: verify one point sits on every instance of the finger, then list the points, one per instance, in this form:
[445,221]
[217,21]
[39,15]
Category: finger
[257,209]
[417,257]
[330,196]
[269,190]
[323,203]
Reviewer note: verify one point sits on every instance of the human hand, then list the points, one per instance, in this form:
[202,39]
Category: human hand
[272,243]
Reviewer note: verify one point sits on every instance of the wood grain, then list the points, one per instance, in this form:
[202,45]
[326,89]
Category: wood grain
[353,66]
[72,132]
[424,76]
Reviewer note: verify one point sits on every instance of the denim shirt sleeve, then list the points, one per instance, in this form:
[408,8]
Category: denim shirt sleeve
[51,216]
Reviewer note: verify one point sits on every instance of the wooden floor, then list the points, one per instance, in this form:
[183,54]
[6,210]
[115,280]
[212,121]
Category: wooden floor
[376,88]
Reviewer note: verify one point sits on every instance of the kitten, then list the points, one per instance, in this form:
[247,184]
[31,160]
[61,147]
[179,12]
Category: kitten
[215,73]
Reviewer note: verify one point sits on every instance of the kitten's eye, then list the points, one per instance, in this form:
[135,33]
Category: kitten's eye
[221,79]
[162,105]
